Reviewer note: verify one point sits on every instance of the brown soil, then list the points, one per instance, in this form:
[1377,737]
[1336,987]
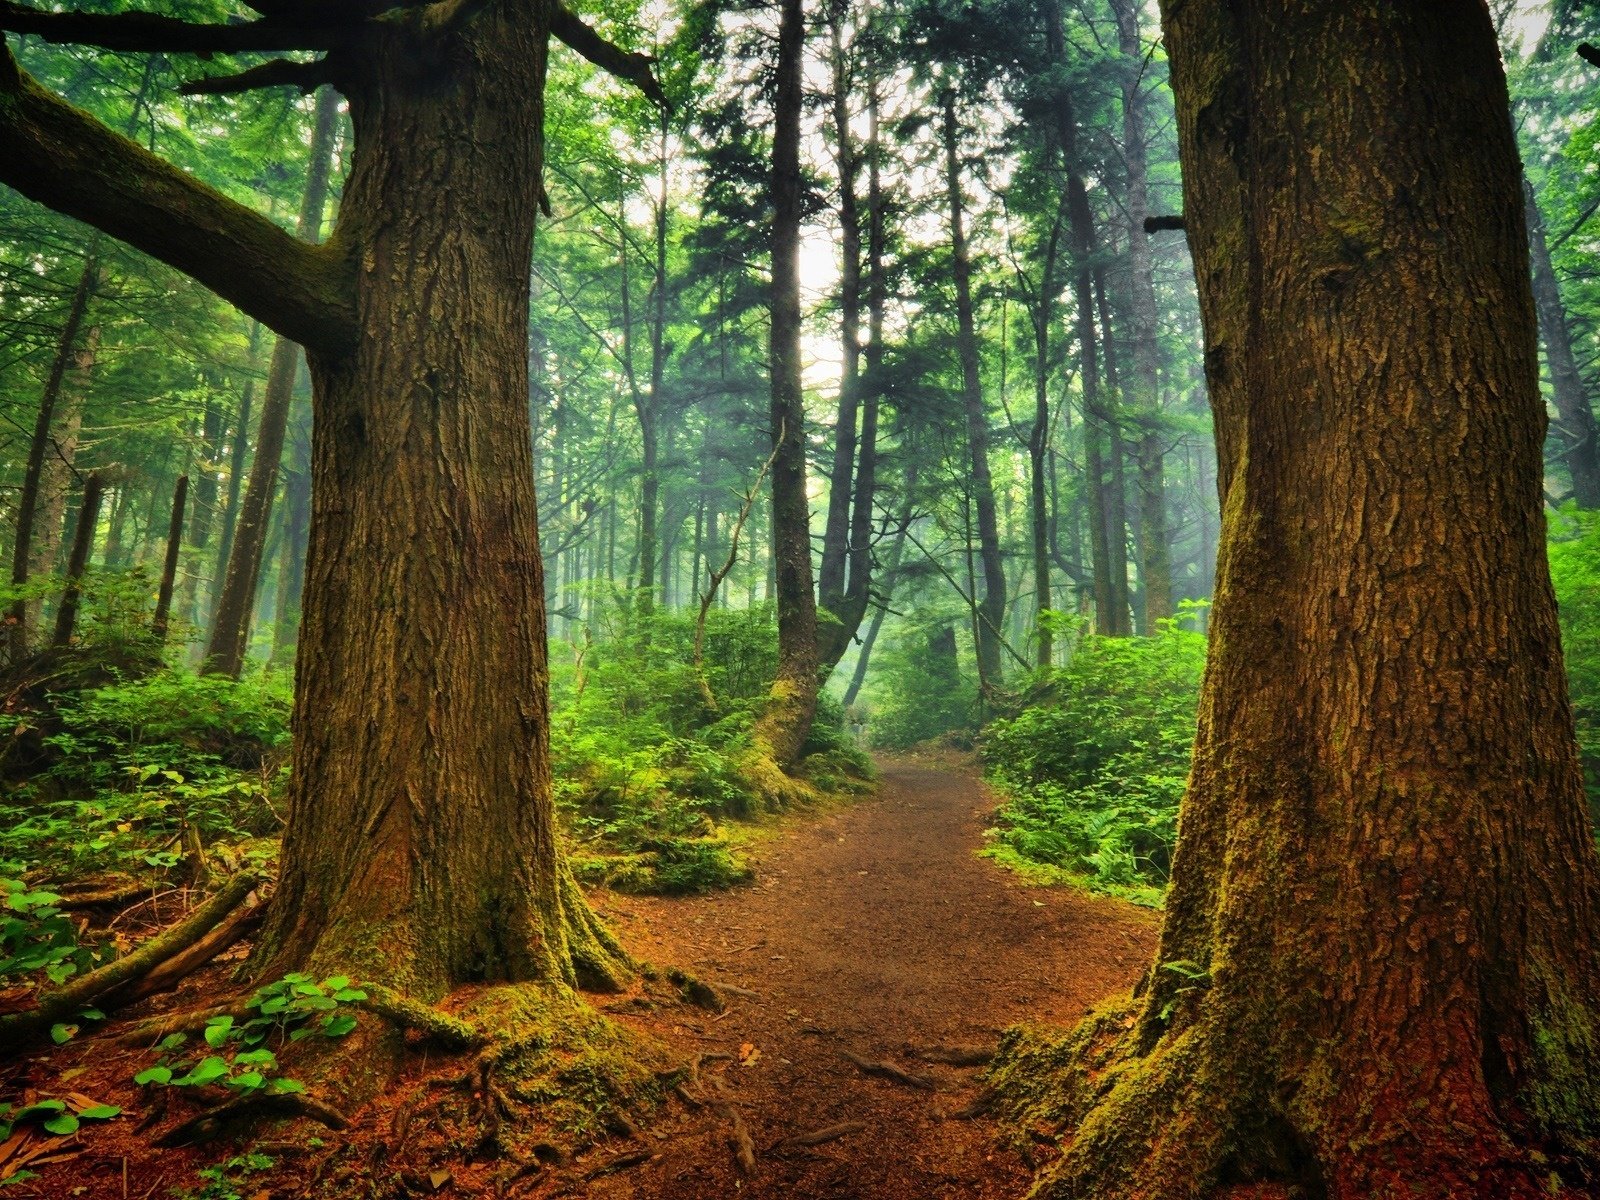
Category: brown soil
[874,930]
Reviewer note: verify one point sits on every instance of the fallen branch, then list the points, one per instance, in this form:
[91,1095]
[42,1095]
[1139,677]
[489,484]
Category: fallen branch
[208,1125]
[119,895]
[65,1002]
[830,1133]
[887,1070]
[153,1029]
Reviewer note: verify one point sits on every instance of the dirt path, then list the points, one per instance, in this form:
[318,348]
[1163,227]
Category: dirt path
[873,930]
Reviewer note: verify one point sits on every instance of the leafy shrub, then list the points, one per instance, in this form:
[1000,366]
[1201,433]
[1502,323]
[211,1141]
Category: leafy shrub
[1095,767]
[919,690]
[35,935]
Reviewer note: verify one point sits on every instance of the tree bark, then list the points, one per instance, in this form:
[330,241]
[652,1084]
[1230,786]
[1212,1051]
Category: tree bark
[991,608]
[230,633]
[792,703]
[421,847]
[1115,502]
[78,564]
[169,563]
[1582,455]
[203,515]
[1380,956]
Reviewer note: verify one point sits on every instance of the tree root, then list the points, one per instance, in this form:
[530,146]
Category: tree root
[830,1133]
[209,1124]
[240,923]
[887,1070]
[18,1029]
[599,962]
[451,1033]
[960,1056]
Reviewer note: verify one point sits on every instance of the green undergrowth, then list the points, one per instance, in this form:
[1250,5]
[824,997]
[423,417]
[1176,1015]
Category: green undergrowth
[651,782]
[1093,764]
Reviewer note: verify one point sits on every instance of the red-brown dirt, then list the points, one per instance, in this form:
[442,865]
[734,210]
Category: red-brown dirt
[873,930]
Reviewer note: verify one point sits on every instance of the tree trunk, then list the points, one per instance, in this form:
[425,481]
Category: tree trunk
[19,634]
[236,473]
[78,563]
[169,563]
[1144,388]
[1115,503]
[203,516]
[792,703]
[421,847]
[1576,414]
[991,608]
[1380,960]
[836,533]
[57,476]
[296,531]
[230,634]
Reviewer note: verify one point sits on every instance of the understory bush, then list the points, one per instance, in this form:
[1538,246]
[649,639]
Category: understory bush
[1094,766]
[919,690]
[645,770]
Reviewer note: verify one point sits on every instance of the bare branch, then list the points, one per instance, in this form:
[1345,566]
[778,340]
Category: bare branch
[280,72]
[152,32]
[68,161]
[637,69]
[446,16]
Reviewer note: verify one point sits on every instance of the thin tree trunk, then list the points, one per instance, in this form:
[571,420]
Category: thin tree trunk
[1144,390]
[203,518]
[236,474]
[78,564]
[1380,955]
[1582,455]
[230,633]
[1116,492]
[169,564]
[19,635]
[992,606]
[792,702]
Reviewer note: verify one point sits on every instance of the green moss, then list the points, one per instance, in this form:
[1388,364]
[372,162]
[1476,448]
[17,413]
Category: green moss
[1560,1094]
[579,1074]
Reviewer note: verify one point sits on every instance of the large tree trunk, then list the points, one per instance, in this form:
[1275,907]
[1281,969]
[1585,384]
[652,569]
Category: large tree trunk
[230,633]
[1582,455]
[421,847]
[1380,961]
[990,610]
[792,704]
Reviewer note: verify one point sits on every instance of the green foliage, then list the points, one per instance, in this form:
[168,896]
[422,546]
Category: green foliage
[1094,768]
[53,1116]
[134,762]
[35,935]
[921,692]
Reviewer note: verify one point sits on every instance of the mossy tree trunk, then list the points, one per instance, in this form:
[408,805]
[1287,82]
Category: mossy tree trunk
[421,845]
[1380,963]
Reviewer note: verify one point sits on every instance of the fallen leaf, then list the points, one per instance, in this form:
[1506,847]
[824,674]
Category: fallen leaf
[438,1180]
[748,1055]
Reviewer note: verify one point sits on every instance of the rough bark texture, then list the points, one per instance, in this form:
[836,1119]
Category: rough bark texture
[78,563]
[792,704]
[1576,414]
[1378,969]
[990,610]
[230,634]
[421,843]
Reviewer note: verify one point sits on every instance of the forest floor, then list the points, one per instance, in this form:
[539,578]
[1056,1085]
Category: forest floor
[875,931]
[873,934]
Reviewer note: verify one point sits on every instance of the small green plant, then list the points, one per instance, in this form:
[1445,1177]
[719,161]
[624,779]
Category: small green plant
[222,1182]
[53,1117]
[288,1010]
[35,935]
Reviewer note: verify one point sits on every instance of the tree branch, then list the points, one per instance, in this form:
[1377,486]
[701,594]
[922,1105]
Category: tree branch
[636,69]
[70,162]
[152,32]
[1589,54]
[280,72]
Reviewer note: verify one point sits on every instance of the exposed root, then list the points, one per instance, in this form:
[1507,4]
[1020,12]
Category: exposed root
[449,1032]
[622,1162]
[830,1133]
[237,925]
[960,1056]
[744,1146]
[887,1070]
